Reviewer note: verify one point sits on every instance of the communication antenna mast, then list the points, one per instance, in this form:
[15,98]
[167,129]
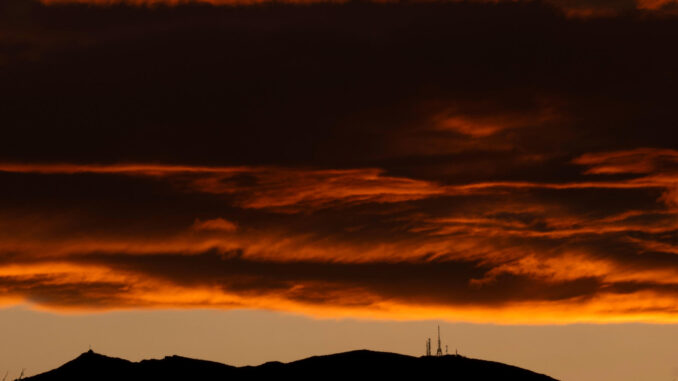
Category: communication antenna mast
[439,352]
[6,373]
[21,376]
[446,352]
[428,347]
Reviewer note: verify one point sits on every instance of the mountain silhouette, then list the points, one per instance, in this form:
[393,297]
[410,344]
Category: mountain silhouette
[354,365]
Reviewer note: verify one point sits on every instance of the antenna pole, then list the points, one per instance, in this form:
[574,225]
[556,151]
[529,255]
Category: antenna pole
[439,352]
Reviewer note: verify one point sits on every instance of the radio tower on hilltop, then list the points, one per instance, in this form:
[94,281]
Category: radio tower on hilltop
[428,346]
[439,352]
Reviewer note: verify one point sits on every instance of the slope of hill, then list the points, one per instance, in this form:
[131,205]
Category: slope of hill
[355,365]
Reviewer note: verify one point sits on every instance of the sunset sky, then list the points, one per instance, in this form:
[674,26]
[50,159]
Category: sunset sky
[507,168]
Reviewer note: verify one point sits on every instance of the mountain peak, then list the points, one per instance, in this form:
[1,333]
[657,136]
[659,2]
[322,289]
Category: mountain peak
[90,355]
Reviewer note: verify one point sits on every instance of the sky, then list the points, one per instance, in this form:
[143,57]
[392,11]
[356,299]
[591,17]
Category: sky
[503,167]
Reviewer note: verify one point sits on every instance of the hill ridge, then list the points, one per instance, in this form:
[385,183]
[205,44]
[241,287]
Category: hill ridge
[357,364]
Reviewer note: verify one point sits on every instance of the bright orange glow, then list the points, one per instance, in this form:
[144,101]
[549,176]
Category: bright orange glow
[519,260]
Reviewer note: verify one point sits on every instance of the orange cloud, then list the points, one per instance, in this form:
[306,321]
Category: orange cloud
[125,169]
[416,181]
[471,127]
[270,188]
[654,4]
[483,125]
[86,287]
[641,160]
[560,226]
[359,242]
[283,187]
[218,224]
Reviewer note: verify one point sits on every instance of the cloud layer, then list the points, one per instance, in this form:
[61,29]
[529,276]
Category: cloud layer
[571,8]
[474,161]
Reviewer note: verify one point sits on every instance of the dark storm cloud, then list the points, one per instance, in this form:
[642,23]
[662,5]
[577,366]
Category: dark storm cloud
[125,83]
[437,282]
[449,156]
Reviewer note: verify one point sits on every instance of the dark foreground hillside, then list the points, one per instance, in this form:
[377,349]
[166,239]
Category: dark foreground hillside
[355,365]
